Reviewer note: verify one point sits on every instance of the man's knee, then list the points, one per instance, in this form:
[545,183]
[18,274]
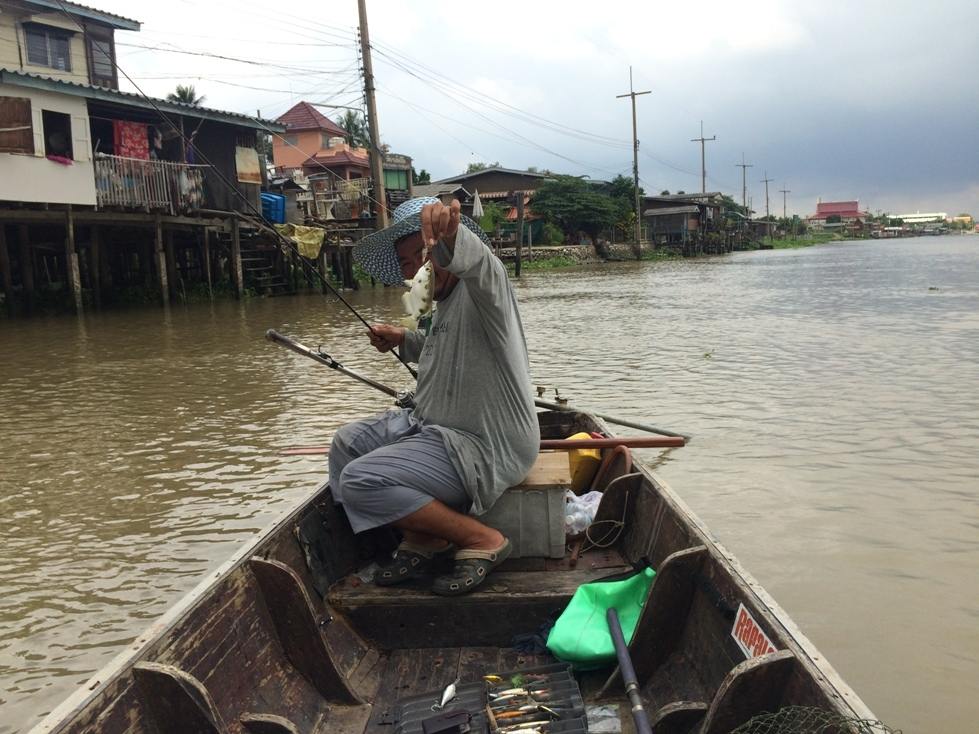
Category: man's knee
[356,481]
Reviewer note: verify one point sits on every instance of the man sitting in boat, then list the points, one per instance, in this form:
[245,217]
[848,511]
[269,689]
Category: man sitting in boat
[473,431]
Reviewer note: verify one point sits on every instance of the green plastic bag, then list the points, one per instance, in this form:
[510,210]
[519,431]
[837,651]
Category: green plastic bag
[581,637]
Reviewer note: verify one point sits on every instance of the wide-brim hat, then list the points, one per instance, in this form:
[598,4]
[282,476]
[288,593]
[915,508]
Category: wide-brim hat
[375,253]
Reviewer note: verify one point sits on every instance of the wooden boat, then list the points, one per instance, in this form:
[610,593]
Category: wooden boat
[285,638]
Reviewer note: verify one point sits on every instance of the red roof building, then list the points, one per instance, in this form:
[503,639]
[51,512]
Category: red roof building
[313,143]
[843,214]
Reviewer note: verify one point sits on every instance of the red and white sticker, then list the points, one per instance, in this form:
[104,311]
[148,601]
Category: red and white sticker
[749,636]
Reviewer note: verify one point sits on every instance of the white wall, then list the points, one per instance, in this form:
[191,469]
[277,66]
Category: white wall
[34,178]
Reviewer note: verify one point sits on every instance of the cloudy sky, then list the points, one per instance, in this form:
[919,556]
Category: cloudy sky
[869,100]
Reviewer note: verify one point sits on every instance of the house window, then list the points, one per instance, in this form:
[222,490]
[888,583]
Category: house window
[102,67]
[395,180]
[48,46]
[292,140]
[57,134]
[16,126]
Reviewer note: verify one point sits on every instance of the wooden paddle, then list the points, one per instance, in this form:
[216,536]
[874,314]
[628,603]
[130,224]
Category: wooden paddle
[632,442]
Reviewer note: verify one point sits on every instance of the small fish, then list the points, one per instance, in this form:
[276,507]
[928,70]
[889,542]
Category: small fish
[447,695]
[418,300]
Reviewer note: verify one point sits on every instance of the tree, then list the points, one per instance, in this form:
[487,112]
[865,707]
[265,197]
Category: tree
[186,95]
[355,127]
[420,177]
[574,206]
[493,216]
[473,167]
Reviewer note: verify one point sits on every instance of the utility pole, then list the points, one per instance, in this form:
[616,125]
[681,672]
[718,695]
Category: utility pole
[784,192]
[768,219]
[635,162]
[377,172]
[703,163]
[744,184]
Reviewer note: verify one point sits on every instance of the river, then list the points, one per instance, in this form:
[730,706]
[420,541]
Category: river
[833,393]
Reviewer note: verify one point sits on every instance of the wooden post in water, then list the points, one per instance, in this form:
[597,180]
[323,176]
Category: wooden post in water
[322,263]
[207,260]
[160,259]
[8,285]
[95,263]
[237,277]
[172,273]
[72,273]
[26,266]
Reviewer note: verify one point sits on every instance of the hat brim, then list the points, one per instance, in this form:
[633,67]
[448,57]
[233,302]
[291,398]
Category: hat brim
[376,252]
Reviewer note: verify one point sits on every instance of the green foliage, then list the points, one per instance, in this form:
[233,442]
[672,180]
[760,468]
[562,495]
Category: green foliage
[572,205]
[493,216]
[551,235]
[547,263]
[420,177]
[186,95]
[354,124]
[478,166]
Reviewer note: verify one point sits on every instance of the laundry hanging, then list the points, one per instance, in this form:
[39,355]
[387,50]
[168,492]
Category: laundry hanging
[130,139]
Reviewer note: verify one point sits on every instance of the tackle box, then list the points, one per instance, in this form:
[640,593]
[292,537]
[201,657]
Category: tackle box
[531,514]
[473,697]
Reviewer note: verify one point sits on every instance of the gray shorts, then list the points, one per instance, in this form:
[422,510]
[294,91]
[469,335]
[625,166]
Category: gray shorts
[389,466]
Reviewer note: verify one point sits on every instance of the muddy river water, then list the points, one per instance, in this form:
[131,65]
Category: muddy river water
[833,393]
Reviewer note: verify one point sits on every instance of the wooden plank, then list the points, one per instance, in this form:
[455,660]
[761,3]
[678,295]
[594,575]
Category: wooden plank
[551,469]
[664,615]
[207,260]
[178,703]
[678,718]
[410,615]
[616,463]
[298,628]
[754,687]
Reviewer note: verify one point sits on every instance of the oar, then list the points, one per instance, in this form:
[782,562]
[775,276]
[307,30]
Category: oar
[611,419]
[552,444]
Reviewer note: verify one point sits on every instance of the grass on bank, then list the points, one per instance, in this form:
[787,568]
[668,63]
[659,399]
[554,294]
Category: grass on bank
[816,238]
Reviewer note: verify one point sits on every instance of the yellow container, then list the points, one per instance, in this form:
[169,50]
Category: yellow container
[583,464]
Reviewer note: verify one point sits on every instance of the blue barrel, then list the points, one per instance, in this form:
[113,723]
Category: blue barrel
[274,208]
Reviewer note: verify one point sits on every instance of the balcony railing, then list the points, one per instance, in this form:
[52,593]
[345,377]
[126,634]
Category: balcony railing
[164,186]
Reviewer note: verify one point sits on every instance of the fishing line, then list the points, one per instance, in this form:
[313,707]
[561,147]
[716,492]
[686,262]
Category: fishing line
[283,240]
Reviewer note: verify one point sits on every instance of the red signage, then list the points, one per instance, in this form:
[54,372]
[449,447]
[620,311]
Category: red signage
[749,636]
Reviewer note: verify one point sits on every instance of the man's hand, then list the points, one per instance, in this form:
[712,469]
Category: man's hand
[385,337]
[440,222]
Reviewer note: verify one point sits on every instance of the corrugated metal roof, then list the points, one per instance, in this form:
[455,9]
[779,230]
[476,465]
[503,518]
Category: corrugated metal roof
[439,189]
[84,11]
[494,169]
[671,210]
[77,89]
[303,116]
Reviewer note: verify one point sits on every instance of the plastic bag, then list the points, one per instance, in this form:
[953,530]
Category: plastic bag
[580,511]
[581,637]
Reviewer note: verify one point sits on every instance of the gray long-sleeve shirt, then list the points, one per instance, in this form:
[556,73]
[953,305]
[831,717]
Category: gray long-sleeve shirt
[474,375]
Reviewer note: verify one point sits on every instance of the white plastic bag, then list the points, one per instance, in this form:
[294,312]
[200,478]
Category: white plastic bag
[580,511]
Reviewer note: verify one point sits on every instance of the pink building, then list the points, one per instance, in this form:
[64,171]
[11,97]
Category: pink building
[312,143]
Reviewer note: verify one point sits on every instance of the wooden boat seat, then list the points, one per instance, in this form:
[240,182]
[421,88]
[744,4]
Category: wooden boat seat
[517,598]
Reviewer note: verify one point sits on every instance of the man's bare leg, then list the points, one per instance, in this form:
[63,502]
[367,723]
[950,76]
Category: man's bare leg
[436,520]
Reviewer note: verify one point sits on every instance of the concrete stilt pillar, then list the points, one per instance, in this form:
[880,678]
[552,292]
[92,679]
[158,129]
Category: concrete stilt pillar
[72,272]
[237,276]
[160,258]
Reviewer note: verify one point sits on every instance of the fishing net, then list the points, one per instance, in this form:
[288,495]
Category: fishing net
[808,720]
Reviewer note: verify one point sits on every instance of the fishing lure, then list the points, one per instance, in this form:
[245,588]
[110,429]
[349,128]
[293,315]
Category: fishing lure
[447,695]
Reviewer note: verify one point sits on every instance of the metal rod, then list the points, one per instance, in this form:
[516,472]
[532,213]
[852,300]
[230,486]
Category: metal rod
[611,419]
[628,672]
[644,442]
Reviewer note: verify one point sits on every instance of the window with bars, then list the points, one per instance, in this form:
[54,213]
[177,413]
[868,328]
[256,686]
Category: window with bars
[47,46]
[16,125]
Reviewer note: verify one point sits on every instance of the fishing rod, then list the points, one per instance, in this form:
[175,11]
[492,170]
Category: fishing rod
[188,142]
[403,398]
[325,359]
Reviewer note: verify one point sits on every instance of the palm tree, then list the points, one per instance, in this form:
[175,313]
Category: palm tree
[186,95]
[355,126]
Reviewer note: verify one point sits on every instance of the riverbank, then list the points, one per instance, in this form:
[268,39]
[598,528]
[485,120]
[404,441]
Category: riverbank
[815,238]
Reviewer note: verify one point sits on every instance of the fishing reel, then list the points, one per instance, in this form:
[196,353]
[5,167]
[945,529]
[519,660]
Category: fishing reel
[405,399]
